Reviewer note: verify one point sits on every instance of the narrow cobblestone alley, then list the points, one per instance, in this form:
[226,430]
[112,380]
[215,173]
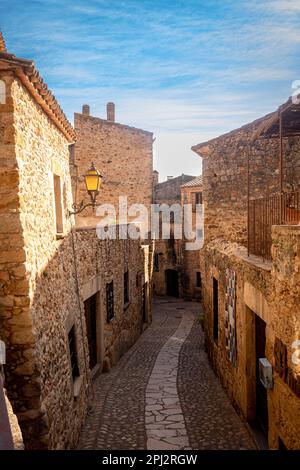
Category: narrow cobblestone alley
[163,393]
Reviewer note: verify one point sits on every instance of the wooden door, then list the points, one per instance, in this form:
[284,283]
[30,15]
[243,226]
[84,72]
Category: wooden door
[261,393]
[90,309]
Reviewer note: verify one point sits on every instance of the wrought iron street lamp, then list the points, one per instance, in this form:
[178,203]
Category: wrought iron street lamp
[92,180]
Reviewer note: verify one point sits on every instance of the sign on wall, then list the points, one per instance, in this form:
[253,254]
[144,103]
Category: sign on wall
[230,316]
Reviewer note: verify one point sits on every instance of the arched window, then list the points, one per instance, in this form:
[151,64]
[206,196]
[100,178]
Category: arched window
[2,92]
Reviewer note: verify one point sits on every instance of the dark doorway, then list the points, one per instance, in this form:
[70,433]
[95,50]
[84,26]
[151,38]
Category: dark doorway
[144,302]
[90,310]
[261,392]
[172,283]
[216,309]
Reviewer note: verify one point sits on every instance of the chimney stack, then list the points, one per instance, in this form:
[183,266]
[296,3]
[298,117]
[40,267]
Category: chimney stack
[110,109]
[155,177]
[86,109]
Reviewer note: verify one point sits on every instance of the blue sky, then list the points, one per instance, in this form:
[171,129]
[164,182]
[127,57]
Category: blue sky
[186,70]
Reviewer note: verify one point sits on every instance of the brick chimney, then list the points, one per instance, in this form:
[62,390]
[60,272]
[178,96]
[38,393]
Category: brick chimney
[110,109]
[86,109]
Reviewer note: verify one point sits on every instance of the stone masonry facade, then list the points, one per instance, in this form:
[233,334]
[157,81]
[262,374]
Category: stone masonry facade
[173,263]
[266,294]
[49,269]
[225,169]
[123,155]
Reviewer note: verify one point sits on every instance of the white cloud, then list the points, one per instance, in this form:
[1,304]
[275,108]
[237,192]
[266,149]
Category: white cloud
[286,6]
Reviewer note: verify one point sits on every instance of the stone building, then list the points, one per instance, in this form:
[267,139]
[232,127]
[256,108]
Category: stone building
[250,271]
[70,304]
[191,193]
[122,154]
[169,191]
[176,270]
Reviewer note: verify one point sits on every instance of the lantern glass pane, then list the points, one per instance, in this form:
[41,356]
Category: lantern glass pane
[92,182]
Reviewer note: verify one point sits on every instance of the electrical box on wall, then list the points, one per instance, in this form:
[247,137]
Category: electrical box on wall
[265,373]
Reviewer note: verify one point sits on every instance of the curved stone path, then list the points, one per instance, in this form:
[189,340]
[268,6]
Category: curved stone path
[165,425]
[163,393]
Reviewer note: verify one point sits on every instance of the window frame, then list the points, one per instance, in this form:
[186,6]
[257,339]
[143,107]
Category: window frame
[126,293]
[73,353]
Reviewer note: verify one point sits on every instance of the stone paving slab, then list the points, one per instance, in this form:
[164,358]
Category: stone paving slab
[163,407]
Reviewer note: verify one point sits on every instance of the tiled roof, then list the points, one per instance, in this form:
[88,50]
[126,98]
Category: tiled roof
[29,76]
[195,182]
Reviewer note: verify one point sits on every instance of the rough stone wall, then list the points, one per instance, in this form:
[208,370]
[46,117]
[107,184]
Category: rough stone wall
[284,404]
[40,298]
[191,258]
[225,178]
[37,387]
[108,260]
[273,294]
[122,154]
[170,256]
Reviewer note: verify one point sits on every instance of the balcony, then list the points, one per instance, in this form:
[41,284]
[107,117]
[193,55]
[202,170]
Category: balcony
[277,209]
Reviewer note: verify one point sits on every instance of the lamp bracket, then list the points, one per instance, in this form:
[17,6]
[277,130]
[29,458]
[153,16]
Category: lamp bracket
[81,206]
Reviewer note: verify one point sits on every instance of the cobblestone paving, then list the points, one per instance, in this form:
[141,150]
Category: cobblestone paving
[211,421]
[116,419]
[133,406]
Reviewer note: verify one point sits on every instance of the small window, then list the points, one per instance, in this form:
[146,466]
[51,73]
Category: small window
[198,198]
[198,279]
[73,353]
[58,204]
[72,153]
[126,288]
[110,301]
[2,92]
[156,262]
[215,309]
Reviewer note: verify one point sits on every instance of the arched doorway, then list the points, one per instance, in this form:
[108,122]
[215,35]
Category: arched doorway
[172,283]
